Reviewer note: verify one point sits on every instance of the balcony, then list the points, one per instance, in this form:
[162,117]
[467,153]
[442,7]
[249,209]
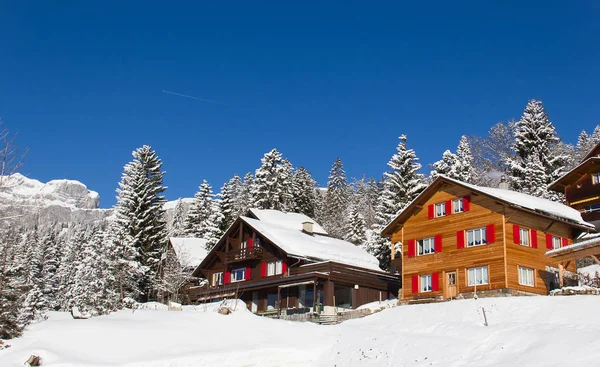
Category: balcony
[243,255]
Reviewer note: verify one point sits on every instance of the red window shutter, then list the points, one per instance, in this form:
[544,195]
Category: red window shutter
[548,241]
[249,243]
[435,282]
[411,248]
[490,233]
[448,207]
[466,203]
[227,279]
[248,272]
[283,267]
[460,239]
[516,234]
[415,284]
[437,243]
[430,213]
[565,242]
[533,238]
[263,269]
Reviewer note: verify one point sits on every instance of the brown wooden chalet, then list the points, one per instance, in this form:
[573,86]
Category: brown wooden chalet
[581,187]
[458,239]
[278,261]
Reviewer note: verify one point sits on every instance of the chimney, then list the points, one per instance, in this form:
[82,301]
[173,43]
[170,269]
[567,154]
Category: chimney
[503,183]
[307,227]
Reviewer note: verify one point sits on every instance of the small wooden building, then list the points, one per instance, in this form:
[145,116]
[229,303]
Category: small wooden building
[458,239]
[286,261]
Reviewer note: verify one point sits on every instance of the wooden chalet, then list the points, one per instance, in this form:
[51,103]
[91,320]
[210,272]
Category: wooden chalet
[458,239]
[277,261]
[581,187]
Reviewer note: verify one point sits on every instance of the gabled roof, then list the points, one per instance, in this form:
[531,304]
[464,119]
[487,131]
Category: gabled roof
[590,165]
[539,206]
[284,230]
[189,251]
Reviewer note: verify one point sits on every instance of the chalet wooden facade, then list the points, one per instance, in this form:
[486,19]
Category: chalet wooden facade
[581,187]
[458,239]
[278,261]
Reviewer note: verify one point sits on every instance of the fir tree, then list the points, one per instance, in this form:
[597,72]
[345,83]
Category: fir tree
[177,227]
[245,200]
[230,194]
[445,165]
[458,166]
[11,289]
[272,183]
[535,139]
[304,192]
[204,217]
[356,228]
[139,211]
[337,198]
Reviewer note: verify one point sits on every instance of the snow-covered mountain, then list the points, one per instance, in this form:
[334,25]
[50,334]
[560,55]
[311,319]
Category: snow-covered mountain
[26,200]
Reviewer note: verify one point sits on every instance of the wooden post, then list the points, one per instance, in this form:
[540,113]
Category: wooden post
[595,259]
[314,295]
[484,317]
[561,273]
[279,301]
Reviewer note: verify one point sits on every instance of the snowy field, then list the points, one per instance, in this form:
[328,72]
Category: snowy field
[525,331]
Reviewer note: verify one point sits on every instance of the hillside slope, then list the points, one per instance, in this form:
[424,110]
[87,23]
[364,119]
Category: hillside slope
[550,331]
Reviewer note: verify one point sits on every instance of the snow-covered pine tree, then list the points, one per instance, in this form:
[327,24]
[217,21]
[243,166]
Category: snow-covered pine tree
[230,193]
[490,153]
[139,211]
[444,166]
[245,200]
[401,185]
[458,166]
[365,199]
[585,143]
[286,177]
[125,269]
[337,199]
[304,192]
[535,136]
[272,183]
[204,217]
[11,289]
[177,227]
[356,227]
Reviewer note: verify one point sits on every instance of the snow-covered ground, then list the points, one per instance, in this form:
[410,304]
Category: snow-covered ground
[530,331]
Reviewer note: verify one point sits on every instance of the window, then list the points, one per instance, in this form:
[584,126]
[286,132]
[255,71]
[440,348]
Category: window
[274,268]
[596,178]
[238,275]
[526,276]
[343,296]
[524,237]
[457,206]
[426,246]
[478,276]
[440,210]
[425,284]
[476,237]
[217,279]
[556,242]
[592,208]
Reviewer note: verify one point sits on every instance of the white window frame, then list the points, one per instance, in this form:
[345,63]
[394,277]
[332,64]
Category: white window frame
[474,233]
[218,279]
[274,268]
[595,178]
[440,212]
[524,240]
[526,276]
[233,276]
[485,276]
[458,206]
[556,242]
[425,283]
[426,243]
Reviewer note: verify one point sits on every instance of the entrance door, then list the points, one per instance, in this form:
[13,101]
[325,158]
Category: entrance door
[451,290]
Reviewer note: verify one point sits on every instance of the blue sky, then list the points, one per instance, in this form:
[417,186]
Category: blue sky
[82,84]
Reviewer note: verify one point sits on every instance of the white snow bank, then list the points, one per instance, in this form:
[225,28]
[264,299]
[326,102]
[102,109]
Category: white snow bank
[190,251]
[379,305]
[591,270]
[522,331]
[287,220]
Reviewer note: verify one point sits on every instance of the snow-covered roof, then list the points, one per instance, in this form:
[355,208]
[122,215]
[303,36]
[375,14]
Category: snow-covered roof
[285,231]
[516,199]
[578,246]
[189,251]
[288,220]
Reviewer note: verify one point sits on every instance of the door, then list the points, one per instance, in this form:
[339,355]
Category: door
[451,290]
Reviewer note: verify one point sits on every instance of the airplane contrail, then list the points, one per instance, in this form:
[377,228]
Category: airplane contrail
[192,97]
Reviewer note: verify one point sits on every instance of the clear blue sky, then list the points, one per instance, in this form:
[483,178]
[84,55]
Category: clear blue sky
[82,83]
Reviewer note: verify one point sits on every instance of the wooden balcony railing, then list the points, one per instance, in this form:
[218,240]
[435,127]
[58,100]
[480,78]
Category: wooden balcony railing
[243,255]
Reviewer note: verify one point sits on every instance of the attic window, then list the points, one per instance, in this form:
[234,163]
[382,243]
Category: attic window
[596,178]
[440,210]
